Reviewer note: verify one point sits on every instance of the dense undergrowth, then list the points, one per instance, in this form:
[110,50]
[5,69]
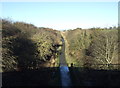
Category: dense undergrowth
[25,46]
[96,48]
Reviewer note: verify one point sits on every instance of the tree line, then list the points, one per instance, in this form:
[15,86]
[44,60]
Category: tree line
[95,48]
[25,46]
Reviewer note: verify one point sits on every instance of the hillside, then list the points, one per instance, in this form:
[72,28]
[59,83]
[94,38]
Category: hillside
[25,46]
[93,48]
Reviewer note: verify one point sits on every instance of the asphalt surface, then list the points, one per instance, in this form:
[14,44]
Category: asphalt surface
[64,70]
[62,55]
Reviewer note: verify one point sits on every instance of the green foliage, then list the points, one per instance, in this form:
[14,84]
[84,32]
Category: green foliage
[25,46]
[8,60]
[78,41]
[8,29]
[94,46]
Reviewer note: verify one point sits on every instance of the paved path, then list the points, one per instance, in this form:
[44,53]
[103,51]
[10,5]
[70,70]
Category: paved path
[62,55]
[64,70]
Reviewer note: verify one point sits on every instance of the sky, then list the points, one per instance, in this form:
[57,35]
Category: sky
[63,15]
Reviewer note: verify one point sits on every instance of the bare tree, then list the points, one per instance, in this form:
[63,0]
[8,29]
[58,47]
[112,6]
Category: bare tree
[104,48]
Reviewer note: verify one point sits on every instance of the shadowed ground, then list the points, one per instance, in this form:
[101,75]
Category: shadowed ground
[41,77]
[61,76]
[51,77]
[82,77]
